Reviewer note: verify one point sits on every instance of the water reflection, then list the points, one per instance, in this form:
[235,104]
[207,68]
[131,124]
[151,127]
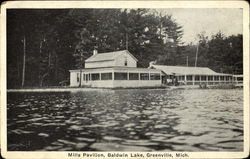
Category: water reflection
[126,120]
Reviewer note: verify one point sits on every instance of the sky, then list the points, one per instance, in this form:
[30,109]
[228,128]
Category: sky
[194,21]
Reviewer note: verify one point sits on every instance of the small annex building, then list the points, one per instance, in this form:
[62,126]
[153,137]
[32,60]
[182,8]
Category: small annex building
[113,70]
[193,75]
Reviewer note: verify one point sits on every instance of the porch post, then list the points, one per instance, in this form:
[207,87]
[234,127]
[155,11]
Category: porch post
[193,79]
[161,78]
[207,79]
[185,79]
[82,78]
[113,78]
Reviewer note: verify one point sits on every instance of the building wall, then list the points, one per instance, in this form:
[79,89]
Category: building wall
[137,83]
[102,84]
[99,64]
[123,83]
[120,61]
[113,83]
[73,79]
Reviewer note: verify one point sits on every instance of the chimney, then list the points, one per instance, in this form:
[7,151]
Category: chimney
[151,64]
[95,52]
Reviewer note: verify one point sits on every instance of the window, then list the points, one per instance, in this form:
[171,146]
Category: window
[227,78]
[125,62]
[179,78]
[106,76]
[210,78]
[239,78]
[133,76]
[87,77]
[197,78]
[155,76]
[216,78]
[95,76]
[144,76]
[121,76]
[222,78]
[189,78]
[78,79]
[168,76]
[83,77]
[203,78]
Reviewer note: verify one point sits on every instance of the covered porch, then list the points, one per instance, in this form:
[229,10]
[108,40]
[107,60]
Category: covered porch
[114,77]
[204,79]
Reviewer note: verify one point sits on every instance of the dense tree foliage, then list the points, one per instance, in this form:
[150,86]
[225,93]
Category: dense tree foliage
[55,41]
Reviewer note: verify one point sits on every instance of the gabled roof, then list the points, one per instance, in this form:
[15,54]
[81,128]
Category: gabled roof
[181,70]
[108,56]
[131,69]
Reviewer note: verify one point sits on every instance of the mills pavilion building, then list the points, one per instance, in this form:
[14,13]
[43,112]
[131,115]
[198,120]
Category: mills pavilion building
[193,75]
[119,69]
[114,70]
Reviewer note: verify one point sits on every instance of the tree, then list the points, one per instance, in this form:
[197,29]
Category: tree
[57,41]
[42,31]
[202,50]
[220,53]
[171,35]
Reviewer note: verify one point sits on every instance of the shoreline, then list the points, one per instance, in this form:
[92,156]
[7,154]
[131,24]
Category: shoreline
[70,89]
[73,89]
[67,89]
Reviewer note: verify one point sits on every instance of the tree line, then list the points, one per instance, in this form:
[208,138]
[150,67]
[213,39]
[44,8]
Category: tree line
[44,44]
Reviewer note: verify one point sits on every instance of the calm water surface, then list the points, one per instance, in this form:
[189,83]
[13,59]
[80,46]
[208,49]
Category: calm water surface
[126,120]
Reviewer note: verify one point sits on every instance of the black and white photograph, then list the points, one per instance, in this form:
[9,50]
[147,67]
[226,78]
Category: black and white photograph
[144,79]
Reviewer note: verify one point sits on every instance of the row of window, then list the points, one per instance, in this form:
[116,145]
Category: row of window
[204,78]
[238,78]
[118,76]
[209,83]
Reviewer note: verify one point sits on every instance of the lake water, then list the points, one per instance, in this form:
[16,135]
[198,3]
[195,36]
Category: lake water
[126,120]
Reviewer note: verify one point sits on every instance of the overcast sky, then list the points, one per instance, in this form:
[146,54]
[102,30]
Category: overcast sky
[195,21]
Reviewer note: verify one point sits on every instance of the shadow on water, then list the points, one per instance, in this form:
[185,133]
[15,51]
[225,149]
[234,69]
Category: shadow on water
[126,120]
